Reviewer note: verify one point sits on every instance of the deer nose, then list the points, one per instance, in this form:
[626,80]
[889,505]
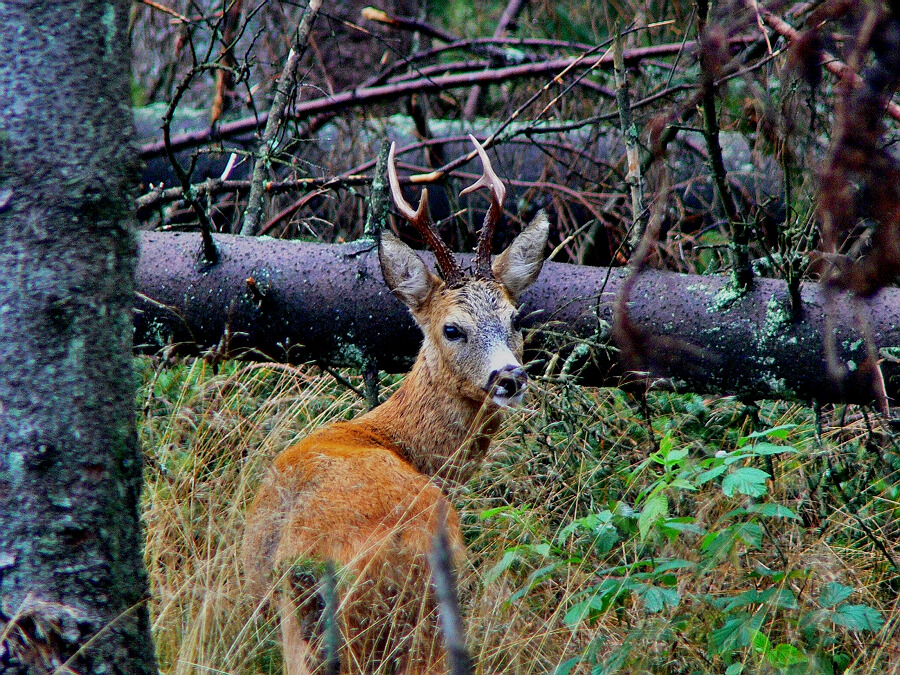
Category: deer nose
[508,382]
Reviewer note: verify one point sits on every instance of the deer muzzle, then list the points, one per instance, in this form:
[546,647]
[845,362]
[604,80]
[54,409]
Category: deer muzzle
[507,385]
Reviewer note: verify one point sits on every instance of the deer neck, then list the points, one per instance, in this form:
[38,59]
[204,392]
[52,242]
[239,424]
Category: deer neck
[431,425]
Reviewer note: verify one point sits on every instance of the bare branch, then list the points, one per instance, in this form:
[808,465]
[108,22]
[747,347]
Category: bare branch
[363,96]
[509,16]
[711,48]
[309,284]
[630,135]
[828,61]
[460,661]
[276,115]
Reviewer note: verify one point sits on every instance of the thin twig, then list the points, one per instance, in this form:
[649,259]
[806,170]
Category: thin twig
[379,197]
[849,502]
[407,23]
[376,222]
[225,76]
[209,253]
[460,661]
[630,136]
[284,214]
[267,144]
[332,665]
[509,16]
[216,186]
[740,232]
[166,10]
[828,61]
[363,96]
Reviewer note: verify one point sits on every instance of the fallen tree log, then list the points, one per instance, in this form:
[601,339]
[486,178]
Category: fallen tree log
[297,302]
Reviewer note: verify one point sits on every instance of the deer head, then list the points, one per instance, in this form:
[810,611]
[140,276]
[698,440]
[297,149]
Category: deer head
[473,342]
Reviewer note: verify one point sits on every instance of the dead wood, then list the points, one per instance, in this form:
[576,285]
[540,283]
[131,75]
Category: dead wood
[327,303]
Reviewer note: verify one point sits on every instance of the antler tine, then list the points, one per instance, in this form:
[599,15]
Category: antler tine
[490,180]
[421,220]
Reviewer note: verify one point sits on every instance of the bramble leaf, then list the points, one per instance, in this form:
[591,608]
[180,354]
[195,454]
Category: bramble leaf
[746,480]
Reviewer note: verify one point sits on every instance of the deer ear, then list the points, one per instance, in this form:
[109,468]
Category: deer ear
[519,265]
[404,272]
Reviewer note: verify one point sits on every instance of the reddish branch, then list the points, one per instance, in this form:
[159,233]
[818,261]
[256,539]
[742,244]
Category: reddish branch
[509,16]
[833,65]
[364,96]
[274,119]
[408,23]
[215,186]
[225,76]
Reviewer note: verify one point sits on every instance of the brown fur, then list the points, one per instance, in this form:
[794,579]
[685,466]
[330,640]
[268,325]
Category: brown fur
[365,493]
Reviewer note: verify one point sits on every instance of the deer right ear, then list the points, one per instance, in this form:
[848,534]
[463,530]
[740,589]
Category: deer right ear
[404,272]
[519,265]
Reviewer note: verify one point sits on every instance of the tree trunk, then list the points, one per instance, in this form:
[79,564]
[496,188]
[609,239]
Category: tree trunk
[72,581]
[296,302]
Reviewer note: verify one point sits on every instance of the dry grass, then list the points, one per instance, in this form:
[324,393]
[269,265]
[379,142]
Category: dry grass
[209,436]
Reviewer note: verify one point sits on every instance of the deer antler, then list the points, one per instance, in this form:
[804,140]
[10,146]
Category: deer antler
[498,193]
[421,220]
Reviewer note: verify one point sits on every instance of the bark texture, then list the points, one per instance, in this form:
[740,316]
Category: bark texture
[328,303]
[72,581]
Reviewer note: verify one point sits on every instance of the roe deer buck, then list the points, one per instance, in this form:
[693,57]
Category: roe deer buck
[361,494]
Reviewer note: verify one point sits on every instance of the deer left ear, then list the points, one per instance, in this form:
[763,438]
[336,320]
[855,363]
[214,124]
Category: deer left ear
[519,265]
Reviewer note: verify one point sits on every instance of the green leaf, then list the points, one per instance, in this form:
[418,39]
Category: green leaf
[777,432]
[716,545]
[533,578]
[772,510]
[505,562]
[746,480]
[565,667]
[577,613]
[763,449]
[685,524]
[834,594]
[605,539]
[735,633]
[666,443]
[760,642]
[654,508]
[785,597]
[675,456]
[749,533]
[601,597]
[751,597]
[677,564]
[490,513]
[785,656]
[858,618]
[542,550]
[590,523]
[656,598]
[682,484]
[842,660]
[709,474]
[735,669]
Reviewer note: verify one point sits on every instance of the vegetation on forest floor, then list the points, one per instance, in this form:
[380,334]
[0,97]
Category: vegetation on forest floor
[672,534]
[676,535]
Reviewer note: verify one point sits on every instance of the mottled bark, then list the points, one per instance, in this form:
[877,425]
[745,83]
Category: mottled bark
[329,303]
[72,582]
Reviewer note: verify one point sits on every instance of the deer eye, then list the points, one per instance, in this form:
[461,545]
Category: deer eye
[453,333]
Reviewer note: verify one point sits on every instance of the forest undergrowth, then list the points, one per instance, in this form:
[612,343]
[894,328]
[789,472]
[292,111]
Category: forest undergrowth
[608,533]
[680,534]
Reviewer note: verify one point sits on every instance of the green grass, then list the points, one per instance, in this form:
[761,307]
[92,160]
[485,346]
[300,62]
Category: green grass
[704,537]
